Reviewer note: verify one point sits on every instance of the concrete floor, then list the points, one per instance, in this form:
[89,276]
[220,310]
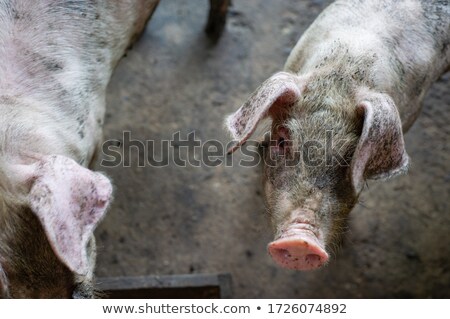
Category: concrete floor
[177,220]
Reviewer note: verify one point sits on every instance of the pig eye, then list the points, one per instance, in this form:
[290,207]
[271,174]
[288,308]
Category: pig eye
[281,143]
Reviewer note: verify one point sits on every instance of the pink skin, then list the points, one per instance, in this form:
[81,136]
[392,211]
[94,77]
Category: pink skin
[299,246]
[298,252]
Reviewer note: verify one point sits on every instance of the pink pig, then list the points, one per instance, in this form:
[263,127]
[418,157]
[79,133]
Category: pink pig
[351,87]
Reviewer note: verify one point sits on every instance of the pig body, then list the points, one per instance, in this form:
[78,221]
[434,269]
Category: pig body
[403,47]
[56,61]
[352,85]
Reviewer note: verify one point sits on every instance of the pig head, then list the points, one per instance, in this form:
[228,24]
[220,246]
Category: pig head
[320,152]
[49,208]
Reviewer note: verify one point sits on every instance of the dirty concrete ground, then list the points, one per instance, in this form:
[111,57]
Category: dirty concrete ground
[178,220]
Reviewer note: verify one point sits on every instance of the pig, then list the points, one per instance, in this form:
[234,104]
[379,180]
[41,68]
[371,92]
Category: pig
[350,88]
[57,57]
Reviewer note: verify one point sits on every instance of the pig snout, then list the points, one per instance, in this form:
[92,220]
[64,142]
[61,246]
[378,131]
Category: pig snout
[301,252]
[299,247]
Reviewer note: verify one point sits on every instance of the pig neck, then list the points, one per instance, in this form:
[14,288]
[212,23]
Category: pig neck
[398,54]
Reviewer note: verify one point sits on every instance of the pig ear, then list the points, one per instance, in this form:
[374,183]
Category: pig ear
[69,201]
[380,152]
[276,94]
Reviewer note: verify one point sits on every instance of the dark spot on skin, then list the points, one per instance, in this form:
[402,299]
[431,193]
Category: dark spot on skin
[63,94]
[16,15]
[52,66]
[8,100]
[81,120]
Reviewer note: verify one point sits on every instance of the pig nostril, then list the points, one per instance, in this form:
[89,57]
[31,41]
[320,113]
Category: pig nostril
[313,258]
[282,252]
